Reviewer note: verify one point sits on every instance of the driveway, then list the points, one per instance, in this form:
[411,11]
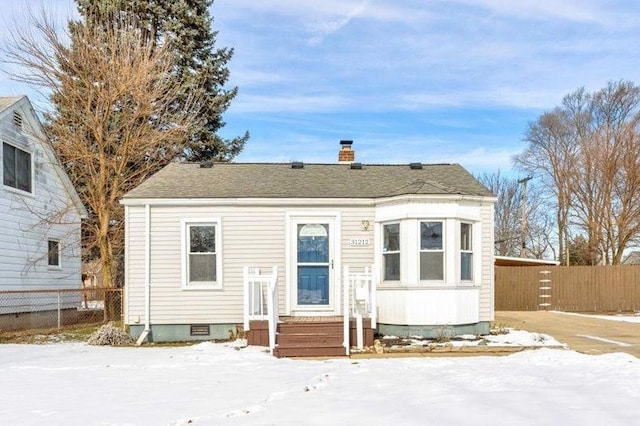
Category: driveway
[583,334]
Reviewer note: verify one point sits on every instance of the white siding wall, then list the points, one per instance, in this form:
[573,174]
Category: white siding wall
[430,306]
[357,257]
[487,263]
[28,221]
[250,237]
[134,263]
[257,237]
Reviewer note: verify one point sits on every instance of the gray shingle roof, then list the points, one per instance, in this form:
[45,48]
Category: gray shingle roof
[245,180]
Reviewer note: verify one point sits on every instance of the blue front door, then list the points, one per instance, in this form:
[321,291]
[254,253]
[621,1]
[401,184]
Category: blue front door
[313,263]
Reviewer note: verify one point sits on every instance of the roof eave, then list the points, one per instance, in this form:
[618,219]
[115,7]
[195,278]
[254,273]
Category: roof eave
[236,201]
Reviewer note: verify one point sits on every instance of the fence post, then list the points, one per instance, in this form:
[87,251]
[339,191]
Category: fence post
[105,304]
[59,311]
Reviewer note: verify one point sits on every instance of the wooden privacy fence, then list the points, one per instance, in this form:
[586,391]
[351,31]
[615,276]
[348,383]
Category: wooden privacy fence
[569,288]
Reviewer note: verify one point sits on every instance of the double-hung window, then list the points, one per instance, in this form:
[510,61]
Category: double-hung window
[16,167]
[431,251]
[466,252]
[391,251]
[202,255]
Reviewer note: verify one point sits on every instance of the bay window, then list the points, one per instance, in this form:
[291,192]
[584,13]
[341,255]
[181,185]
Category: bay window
[431,251]
[391,251]
[466,252]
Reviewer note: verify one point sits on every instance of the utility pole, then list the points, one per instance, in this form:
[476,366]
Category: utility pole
[525,225]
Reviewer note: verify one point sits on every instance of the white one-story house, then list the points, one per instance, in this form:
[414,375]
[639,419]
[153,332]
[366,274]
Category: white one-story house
[421,234]
[40,215]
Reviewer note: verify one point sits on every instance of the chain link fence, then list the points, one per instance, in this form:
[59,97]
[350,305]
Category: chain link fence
[45,309]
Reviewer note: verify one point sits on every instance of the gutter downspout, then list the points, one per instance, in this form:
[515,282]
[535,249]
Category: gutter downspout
[147,275]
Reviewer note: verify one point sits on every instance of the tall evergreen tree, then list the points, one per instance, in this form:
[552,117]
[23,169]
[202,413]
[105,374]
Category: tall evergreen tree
[187,26]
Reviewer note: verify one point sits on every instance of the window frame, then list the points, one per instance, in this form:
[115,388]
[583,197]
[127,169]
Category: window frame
[442,250]
[58,248]
[4,169]
[398,252]
[186,225]
[470,250]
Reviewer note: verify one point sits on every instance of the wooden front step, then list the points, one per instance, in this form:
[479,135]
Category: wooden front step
[309,338]
[310,328]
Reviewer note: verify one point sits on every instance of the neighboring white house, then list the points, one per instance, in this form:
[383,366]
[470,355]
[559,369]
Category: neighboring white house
[191,229]
[40,212]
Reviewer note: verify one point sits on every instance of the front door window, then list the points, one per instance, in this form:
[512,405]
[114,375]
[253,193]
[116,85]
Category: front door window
[313,263]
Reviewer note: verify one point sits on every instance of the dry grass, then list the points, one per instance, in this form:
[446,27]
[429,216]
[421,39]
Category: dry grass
[52,335]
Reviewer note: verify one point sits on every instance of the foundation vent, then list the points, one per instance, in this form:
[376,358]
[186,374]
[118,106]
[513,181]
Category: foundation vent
[200,330]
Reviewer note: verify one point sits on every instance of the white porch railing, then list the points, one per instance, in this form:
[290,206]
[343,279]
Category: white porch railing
[261,300]
[359,301]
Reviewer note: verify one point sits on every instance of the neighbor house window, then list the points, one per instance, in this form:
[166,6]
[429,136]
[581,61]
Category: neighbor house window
[202,254]
[391,251]
[466,252]
[53,253]
[431,251]
[16,166]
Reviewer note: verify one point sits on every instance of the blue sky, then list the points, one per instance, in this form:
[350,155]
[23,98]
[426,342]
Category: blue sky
[407,80]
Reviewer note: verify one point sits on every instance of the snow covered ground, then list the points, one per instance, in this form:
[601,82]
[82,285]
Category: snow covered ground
[620,317]
[510,337]
[224,384]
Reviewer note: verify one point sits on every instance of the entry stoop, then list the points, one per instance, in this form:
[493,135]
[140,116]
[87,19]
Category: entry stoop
[308,336]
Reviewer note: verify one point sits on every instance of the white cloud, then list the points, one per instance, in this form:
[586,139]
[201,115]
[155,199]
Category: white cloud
[324,28]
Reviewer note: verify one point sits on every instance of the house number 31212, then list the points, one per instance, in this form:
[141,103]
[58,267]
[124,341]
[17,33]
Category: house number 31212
[359,242]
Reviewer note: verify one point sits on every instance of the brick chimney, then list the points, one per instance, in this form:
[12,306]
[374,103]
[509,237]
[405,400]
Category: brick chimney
[346,155]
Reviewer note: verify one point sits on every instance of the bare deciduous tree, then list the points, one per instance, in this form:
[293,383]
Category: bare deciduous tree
[508,232]
[548,158]
[114,124]
[611,158]
[587,153]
